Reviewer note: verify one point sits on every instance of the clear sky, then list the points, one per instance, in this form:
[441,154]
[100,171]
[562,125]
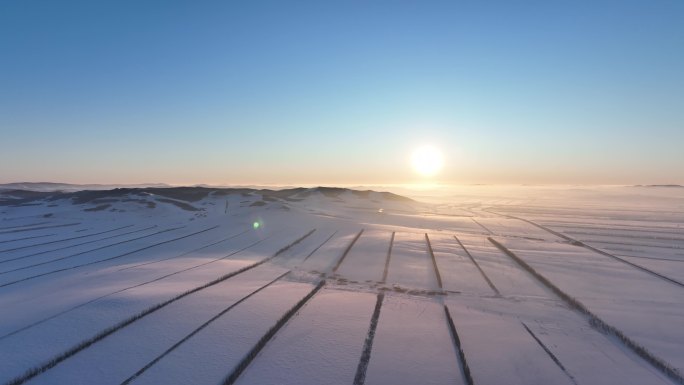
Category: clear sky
[341,92]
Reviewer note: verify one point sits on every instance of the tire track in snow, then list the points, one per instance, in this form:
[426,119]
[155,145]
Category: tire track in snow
[387,260]
[484,275]
[62,240]
[31,373]
[594,320]
[360,377]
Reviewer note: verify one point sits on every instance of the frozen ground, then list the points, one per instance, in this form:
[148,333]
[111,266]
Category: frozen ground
[471,285]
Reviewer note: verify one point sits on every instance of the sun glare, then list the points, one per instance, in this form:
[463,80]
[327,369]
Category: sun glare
[427,161]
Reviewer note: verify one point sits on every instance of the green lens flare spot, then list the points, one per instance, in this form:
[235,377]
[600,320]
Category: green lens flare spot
[256,225]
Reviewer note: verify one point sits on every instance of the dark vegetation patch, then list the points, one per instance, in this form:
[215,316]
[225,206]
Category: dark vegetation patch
[104,200]
[219,192]
[394,197]
[22,195]
[149,204]
[87,196]
[48,215]
[331,192]
[258,203]
[283,194]
[99,208]
[181,205]
[184,194]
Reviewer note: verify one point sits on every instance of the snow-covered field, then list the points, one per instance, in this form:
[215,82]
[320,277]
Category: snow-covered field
[477,285]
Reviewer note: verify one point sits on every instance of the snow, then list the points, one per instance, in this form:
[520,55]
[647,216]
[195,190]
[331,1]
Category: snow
[366,260]
[648,309]
[112,360]
[458,272]
[322,343]
[505,274]
[412,345]
[209,355]
[499,350]
[91,270]
[410,264]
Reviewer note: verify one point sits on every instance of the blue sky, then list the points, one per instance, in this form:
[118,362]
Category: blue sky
[341,92]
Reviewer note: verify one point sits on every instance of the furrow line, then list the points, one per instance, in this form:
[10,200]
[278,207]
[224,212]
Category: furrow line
[346,251]
[80,244]
[465,370]
[361,369]
[319,246]
[38,228]
[84,252]
[244,363]
[484,275]
[434,261]
[18,226]
[25,238]
[599,251]
[63,240]
[198,329]
[106,259]
[31,373]
[483,226]
[548,351]
[594,320]
[387,260]
[187,252]
[124,289]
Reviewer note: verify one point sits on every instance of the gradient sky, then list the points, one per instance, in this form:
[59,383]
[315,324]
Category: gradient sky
[340,92]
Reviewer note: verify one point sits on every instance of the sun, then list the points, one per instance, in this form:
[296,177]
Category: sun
[427,161]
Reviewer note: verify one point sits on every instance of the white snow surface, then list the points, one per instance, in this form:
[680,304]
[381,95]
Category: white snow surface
[156,288]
